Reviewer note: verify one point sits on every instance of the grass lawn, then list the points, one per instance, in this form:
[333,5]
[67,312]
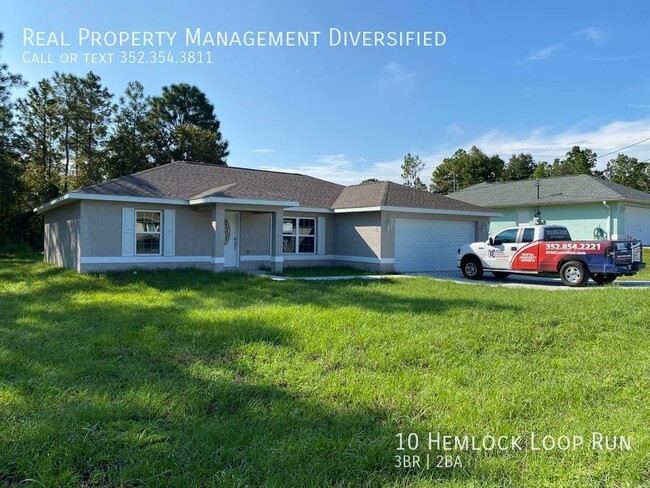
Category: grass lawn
[186,378]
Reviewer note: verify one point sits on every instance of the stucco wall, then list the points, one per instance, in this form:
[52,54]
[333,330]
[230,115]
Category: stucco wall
[101,228]
[255,234]
[357,234]
[61,242]
[580,219]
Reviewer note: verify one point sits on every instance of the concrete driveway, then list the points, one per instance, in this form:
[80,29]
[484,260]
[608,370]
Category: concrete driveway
[522,281]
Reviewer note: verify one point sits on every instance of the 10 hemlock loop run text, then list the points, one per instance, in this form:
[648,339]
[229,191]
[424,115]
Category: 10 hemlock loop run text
[197,37]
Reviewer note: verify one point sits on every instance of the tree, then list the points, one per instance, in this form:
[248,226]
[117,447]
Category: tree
[628,171]
[93,117]
[184,105]
[411,169]
[465,168]
[577,162]
[193,143]
[369,181]
[38,120]
[128,145]
[10,184]
[66,89]
[519,167]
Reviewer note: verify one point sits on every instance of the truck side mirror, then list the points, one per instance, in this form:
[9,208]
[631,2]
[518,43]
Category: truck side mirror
[491,241]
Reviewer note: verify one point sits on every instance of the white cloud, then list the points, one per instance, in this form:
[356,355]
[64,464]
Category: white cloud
[396,80]
[541,142]
[263,151]
[545,146]
[592,34]
[543,54]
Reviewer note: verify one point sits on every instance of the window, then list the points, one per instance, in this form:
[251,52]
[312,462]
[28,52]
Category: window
[298,236]
[529,235]
[556,234]
[147,231]
[506,237]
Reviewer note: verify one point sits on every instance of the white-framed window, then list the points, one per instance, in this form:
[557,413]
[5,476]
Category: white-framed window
[298,235]
[148,232]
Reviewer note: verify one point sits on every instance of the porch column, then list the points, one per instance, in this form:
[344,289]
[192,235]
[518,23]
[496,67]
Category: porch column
[218,218]
[277,256]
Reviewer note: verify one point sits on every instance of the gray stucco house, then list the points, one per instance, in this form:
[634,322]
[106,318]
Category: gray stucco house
[589,207]
[219,218]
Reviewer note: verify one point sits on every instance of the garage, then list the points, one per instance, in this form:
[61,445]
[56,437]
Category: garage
[637,224]
[430,245]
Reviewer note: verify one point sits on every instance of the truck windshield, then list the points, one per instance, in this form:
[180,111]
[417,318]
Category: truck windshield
[556,234]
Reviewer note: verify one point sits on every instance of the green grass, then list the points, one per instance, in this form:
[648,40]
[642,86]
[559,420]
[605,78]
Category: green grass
[187,378]
[325,271]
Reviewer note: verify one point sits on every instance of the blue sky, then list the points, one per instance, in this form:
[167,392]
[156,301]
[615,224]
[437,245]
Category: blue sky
[512,76]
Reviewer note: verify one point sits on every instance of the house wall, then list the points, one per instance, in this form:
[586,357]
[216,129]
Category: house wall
[101,235]
[61,240]
[580,219]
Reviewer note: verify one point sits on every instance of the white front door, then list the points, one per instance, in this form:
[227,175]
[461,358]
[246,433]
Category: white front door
[231,240]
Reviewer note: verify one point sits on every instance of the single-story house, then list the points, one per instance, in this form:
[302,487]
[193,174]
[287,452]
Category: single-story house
[590,207]
[222,218]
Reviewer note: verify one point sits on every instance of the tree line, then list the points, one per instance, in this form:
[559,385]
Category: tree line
[69,132]
[467,168]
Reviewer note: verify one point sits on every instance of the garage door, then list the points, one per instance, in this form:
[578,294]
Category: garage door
[429,245]
[637,224]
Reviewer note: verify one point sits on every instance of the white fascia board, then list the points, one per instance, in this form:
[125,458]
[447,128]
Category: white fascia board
[431,211]
[244,201]
[107,198]
[311,209]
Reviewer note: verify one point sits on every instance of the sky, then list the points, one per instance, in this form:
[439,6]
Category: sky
[537,77]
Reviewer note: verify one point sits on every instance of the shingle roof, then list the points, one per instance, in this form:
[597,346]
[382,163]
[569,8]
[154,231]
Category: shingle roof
[191,181]
[560,189]
[186,181]
[387,193]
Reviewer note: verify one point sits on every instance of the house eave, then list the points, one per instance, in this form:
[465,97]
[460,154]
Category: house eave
[72,196]
[244,201]
[430,211]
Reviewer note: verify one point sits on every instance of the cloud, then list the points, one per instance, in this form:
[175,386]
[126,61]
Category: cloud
[541,142]
[592,34]
[263,151]
[543,54]
[545,146]
[396,80]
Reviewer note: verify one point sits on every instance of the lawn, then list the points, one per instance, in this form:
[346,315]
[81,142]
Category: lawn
[186,378]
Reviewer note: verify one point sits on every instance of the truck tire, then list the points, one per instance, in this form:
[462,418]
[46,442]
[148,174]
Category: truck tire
[574,273]
[472,268]
[500,275]
[603,279]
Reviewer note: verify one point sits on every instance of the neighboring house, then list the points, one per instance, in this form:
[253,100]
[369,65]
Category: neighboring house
[218,217]
[590,207]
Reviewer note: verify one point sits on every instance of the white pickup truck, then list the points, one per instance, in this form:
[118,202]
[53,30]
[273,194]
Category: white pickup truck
[548,250]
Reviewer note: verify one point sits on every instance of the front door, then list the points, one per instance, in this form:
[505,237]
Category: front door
[231,240]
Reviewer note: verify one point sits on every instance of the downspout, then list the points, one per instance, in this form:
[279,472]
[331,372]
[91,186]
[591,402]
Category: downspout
[609,220]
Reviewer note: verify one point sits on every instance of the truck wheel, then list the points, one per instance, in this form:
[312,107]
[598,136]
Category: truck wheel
[603,279]
[472,268]
[574,273]
[500,275]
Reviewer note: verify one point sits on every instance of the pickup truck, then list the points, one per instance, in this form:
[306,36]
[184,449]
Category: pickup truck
[547,250]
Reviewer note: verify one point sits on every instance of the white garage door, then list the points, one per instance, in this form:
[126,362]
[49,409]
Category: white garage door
[637,224]
[429,245]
